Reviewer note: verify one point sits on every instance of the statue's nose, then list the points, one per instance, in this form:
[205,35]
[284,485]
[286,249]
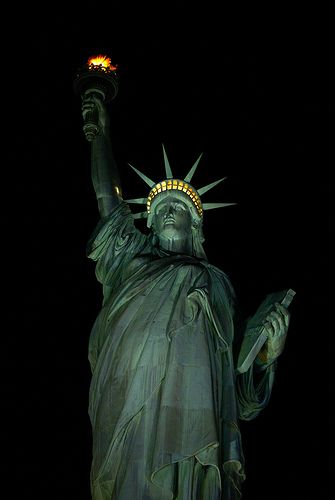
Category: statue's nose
[170,211]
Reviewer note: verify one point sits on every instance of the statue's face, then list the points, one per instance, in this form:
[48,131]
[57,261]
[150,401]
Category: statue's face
[172,219]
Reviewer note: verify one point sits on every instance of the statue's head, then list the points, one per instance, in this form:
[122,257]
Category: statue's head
[171,218]
[175,222]
[174,208]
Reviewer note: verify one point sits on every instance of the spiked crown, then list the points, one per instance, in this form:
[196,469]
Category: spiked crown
[172,186]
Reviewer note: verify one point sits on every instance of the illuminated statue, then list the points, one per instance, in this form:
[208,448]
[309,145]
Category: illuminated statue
[170,378]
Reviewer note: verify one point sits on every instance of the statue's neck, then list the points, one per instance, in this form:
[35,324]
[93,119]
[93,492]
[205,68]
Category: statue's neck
[180,245]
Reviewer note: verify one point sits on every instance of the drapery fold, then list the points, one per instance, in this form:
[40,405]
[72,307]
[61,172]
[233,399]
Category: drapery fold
[164,399]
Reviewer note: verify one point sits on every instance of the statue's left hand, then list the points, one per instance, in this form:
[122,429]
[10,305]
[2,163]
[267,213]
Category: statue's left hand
[276,326]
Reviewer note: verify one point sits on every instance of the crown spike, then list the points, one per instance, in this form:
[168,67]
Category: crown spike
[189,176]
[209,186]
[141,215]
[168,170]
[144,177]
[209,206]
[140,201]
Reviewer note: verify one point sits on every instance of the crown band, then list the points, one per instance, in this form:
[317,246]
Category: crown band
[178,185]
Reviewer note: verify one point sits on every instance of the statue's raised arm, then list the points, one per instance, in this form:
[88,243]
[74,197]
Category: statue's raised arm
[104,171]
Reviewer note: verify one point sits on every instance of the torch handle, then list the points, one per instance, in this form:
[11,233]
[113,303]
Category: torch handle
[90,126]
[91,120]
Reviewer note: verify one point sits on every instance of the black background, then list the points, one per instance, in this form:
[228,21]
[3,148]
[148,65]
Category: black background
[251,90]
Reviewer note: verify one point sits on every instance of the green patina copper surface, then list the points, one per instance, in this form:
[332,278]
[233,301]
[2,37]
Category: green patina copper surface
[166,396]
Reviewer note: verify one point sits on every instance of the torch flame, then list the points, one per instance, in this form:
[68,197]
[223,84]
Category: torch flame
[101,62]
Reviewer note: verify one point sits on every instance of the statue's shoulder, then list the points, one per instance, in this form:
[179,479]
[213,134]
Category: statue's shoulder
[215,271]
[220,282]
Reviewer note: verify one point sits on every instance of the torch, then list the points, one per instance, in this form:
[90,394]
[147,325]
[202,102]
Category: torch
[97,77]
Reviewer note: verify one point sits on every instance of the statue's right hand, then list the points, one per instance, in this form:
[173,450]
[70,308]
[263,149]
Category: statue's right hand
[91,103]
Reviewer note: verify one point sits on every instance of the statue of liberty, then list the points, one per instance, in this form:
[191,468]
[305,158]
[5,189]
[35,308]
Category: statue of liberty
[172,375]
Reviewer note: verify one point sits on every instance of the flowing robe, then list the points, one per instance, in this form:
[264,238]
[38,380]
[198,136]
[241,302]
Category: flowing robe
[164,398]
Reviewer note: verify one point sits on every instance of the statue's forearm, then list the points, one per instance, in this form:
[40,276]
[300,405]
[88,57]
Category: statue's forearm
[105,175]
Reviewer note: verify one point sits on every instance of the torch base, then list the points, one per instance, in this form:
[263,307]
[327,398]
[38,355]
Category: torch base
[105,83]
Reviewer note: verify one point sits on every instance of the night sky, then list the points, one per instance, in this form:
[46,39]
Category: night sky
[255,94]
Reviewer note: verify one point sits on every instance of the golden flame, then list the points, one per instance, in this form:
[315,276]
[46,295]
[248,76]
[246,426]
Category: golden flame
[101,62]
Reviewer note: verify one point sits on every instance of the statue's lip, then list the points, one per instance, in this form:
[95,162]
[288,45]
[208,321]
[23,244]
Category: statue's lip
[169,220]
